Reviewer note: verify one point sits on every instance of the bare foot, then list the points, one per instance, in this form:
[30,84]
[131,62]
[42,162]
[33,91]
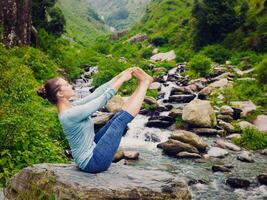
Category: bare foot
[145,77]
[139,75]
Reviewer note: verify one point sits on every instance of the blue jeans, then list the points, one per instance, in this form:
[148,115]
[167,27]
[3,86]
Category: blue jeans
[107,141]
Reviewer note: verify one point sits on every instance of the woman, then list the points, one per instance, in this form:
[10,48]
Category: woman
[92,152]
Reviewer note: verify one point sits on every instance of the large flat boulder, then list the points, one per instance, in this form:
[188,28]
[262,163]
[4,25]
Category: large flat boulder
[66,181]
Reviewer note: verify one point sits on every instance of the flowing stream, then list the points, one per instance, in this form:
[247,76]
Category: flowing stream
[203,183]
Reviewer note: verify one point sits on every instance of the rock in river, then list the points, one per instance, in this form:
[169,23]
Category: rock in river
[173,147]
[238,182]
[189,137]
[199,113]
[217,152]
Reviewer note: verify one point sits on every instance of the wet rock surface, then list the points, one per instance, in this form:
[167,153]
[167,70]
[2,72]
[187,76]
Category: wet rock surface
[120,182]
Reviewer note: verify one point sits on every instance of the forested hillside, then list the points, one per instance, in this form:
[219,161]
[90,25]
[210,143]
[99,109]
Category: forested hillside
[83,25]
[119,14]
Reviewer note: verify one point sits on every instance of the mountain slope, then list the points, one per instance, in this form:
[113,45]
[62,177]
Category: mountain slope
[82,23]
[119,13]
[172,20]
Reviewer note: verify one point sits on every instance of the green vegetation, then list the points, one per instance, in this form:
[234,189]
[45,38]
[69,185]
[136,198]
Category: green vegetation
[178,121]
[30,131]
[261,70]
[246,90]
[82,27]
[252,139]
[200,65]
[216,52]
[46,15]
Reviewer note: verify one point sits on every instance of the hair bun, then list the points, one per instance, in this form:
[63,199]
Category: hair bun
[42,92]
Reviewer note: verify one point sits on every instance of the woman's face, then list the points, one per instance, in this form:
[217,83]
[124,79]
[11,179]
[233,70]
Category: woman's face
[66,89]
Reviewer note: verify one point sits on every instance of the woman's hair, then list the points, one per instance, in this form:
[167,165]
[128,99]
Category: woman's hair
[49,90]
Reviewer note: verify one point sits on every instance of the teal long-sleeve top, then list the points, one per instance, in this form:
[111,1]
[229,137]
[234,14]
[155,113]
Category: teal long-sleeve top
[77,123]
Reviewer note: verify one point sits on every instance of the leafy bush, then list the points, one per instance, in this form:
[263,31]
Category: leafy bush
[183,54]
[147,53]
[159,41]
[57,23]
[200,65]
[252,139]
[30,131]
[245,90]
[261,70]
[216,52]
[249,56]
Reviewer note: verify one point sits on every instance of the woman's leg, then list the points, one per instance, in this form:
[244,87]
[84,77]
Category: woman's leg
[103,129]
[134,102]
[108,144]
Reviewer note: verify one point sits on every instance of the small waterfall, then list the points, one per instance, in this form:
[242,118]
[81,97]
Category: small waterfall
[144,137]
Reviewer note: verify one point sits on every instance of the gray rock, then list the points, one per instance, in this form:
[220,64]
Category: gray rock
[175,112]
[173,147]
[262,178]
[245,156]
[170,55]
[226,118]
[227,126]
[65,181]
[199,113]
[261,123]
[137,38]
[183,98]
[217,85]
[235,135]
[160,121]
[190,138]
[154,85]
[225,144]
[220,168]
[205,131]
[238,182]
[246,107]
[264,152]
[2,196]
[152,137]
[118,155]
[226,110]
[217,152]
[244,124]
[131,155]
[185,154]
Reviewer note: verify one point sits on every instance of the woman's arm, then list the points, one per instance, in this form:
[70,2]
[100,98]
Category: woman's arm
[98,91]
[81,112]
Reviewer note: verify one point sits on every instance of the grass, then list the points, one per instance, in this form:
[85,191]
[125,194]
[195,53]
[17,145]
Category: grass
[252,139]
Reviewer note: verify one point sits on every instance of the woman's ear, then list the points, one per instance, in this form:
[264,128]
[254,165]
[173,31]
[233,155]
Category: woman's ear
[60,94]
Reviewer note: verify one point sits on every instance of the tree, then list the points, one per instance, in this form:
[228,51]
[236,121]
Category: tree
[41,9]
[243,12]
[1,13]
[57,23]
[214,19]
[16,22]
